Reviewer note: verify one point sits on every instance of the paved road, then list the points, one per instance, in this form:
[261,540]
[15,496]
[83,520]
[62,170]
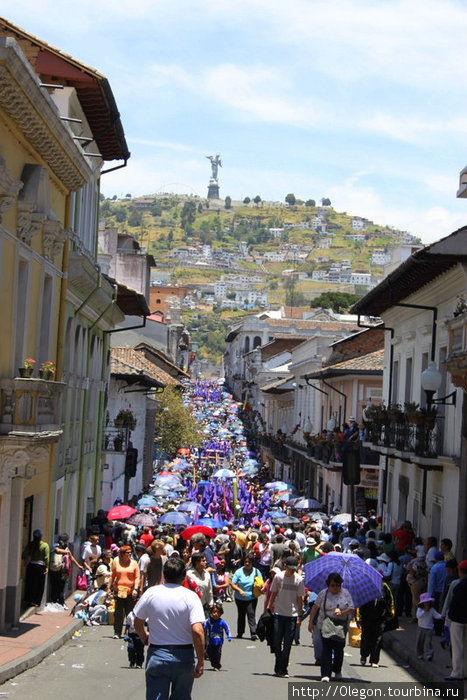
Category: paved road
[96,666]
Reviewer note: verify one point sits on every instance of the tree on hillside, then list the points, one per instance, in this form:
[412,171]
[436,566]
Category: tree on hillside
[326,202]
[188,216]
[290,199]
[310,203]
[257,199]
[174,424]
[135,218]
[121,214]
[228,202]
[336,301]
[247,200]
[156,208]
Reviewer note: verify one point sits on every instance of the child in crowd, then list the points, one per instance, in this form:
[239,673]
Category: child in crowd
[135,645]
[215,627]
[426,614]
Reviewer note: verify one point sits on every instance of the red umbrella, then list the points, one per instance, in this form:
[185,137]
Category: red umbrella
[193,529]
[183,451]
[120,512]
[165,473]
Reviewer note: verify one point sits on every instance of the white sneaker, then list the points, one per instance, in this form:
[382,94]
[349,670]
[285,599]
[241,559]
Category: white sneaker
[374,665]
[325,679]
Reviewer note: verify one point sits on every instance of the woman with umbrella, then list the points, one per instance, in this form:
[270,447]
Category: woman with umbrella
[335,603]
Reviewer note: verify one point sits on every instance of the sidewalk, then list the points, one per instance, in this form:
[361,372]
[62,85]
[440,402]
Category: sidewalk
[402,643]
[36,637]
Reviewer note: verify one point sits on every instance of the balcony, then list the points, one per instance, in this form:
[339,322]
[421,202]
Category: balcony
[277,448]
[30,408]
[115,440]
[421,443]
[328,453]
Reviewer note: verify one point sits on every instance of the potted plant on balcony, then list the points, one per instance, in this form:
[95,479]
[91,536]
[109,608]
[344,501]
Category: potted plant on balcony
[28,368]
[47,370]
[125,419]
[118,442]
[429,414]
[395,414]
[412,410]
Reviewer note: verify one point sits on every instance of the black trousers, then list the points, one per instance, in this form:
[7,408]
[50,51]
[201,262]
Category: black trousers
[246,609]
[372,639]
[135,650]
[214,653]
[34,584]
[122,607]
[57,586]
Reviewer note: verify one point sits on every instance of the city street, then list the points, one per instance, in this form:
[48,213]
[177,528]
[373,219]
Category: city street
[95,664]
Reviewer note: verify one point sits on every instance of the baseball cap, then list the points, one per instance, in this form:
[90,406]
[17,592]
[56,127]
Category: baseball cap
[463,564]
[291,563]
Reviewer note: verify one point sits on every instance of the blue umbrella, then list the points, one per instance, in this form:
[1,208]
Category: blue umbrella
[362,581]
[274,514]
[191,506]
[224,474]
[174,517]
[210,522]
[203,483]
[147,502]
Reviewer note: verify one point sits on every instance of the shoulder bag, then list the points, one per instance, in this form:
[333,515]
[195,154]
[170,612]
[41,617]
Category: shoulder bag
[331,630]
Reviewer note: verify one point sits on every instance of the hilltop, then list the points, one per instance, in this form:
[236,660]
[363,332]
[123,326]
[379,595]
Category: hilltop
[247,255]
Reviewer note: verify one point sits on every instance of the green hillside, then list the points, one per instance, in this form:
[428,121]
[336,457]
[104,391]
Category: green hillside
[164,223]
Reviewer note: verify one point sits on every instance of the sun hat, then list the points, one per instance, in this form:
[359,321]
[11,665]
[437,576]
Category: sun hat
[383,557]
[311,542]
[425,598]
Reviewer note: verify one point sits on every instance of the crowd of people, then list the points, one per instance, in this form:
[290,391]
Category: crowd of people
[212,530]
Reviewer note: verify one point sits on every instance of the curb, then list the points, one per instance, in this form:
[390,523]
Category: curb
[34,657]
[425,672]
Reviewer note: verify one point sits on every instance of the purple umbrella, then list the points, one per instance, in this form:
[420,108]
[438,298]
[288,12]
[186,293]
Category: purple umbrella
[362,581]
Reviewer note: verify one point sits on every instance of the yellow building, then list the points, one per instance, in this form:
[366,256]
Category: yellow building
[58,124]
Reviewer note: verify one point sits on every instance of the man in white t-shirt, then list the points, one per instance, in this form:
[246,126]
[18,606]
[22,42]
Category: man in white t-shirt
[175,618]
[91,552]
[286,602]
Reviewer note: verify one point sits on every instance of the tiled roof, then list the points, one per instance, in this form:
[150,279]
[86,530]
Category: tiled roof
[335,326]
[372,363]
[276,384]
[129,362]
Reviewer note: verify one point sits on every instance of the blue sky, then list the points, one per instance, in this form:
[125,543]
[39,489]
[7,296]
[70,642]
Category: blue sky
[361,101]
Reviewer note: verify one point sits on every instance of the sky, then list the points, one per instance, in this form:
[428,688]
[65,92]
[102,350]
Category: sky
[361,101]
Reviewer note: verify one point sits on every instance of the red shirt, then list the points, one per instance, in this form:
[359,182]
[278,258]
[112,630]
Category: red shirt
[147,538]
[403,538]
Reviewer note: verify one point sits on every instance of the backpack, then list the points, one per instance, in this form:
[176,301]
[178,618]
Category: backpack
[56,562]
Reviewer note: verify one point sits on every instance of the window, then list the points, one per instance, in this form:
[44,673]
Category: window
[408,379]
[46,318]
[20,314]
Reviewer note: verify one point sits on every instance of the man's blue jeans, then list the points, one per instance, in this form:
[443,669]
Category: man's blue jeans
[169,673]
[284,632]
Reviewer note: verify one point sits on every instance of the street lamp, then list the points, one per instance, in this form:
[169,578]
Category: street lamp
[431,381]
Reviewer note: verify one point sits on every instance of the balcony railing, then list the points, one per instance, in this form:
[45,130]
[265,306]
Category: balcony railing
[329,453]
[115,440]
[30,407]
[276,447]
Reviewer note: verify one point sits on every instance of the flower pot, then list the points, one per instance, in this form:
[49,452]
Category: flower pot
[118,444]
[47,374]
[25,372]
[118,422]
